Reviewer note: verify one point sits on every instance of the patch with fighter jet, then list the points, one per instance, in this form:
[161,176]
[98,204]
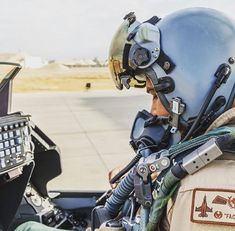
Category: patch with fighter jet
[213,206]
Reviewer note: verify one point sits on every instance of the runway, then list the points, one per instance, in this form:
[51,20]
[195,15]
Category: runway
[91,128]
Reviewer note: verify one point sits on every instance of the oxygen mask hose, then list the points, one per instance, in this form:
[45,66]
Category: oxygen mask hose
[124,188]
[120,194]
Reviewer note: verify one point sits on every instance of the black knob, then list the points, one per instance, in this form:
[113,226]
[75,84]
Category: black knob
[141,57]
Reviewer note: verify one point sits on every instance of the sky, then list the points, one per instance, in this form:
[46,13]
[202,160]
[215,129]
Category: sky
[76,29]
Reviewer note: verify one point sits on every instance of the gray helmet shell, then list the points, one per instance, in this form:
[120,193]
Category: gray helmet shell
[198,41]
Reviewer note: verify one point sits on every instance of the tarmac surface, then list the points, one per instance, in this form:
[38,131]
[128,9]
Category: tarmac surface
[91,128]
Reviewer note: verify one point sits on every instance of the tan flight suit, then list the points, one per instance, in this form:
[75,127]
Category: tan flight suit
[206,200]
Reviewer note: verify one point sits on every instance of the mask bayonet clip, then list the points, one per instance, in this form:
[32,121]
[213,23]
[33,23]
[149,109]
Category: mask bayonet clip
[125,80]
[177,108]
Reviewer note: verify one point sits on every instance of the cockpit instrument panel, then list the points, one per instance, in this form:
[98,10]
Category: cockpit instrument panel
[16,147]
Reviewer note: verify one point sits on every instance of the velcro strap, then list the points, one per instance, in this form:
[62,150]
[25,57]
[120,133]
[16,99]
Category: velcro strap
[213,206]
[165,62]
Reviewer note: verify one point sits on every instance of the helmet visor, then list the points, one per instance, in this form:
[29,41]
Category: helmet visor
[115,60]
[116,53]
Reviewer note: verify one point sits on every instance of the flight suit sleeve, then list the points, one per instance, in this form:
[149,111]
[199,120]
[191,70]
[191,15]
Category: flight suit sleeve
[206,200]
[35,226]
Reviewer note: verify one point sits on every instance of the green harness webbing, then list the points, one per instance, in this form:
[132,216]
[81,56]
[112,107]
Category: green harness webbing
[200,140]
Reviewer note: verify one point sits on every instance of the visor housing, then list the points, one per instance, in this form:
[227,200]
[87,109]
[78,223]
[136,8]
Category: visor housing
[115,60]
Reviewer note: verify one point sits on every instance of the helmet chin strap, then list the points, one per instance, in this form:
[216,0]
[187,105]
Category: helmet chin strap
[177,108]
[150,73]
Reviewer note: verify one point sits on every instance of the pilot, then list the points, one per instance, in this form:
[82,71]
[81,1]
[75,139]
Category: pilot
[186,61]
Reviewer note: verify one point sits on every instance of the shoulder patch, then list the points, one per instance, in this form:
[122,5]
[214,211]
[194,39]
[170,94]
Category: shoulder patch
[213,206]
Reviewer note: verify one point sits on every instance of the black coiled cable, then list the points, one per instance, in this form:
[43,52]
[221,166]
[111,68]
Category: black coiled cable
[126,169]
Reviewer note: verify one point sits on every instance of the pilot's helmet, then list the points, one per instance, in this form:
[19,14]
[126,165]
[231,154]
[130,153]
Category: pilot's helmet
[189,57]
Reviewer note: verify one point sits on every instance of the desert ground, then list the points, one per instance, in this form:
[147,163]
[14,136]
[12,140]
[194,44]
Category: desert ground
[56,77]
[90,126]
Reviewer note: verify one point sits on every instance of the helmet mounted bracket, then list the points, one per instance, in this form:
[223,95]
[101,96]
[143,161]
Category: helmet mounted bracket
[141,50]
[125,80]
[177,108]
[130,17]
